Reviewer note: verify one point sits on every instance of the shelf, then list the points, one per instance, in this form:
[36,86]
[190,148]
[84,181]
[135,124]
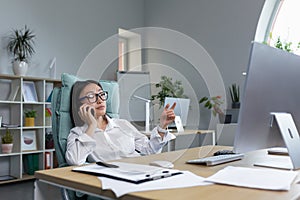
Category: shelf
[25,177]
[9,154]
[10,102]
[33,127]
[14,164]
[32,152]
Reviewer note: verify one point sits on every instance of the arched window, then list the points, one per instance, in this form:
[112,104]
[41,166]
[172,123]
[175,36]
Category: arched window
[281,28]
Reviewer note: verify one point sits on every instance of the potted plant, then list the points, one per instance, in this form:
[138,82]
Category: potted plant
[214,103]
[30,116]
[21,47]
[234,90]
[168,89]
[7,142]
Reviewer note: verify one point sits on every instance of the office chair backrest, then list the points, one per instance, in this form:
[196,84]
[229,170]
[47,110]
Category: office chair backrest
[61,105]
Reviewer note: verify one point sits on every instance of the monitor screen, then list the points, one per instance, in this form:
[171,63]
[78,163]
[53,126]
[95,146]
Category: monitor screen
[272,85]
[181,109]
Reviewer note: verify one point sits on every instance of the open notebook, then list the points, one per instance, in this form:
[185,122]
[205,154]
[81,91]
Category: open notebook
[129,172]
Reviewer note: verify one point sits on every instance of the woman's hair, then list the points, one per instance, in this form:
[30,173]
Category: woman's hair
[75,103]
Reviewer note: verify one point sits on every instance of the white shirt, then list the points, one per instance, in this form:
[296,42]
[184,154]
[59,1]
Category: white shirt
[119,140]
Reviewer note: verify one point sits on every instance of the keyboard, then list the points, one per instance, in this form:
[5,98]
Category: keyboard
[215,160]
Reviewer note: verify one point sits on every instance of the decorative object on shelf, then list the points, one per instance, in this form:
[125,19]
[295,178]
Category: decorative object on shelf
[52,68]
[234,90]
[13,93]
[168,89]
[49,143]
[214,103]
[7,142]
[48,115]
[29,92]
[21,47]
[30,116]
[28,140]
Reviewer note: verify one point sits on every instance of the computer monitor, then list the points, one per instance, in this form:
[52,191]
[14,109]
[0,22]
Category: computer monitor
[181,109]
[272,85]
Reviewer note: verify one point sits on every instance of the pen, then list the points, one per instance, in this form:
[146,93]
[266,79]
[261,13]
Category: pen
[164,174]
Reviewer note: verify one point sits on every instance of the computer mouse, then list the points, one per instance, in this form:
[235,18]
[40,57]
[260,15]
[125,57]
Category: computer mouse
[162,163]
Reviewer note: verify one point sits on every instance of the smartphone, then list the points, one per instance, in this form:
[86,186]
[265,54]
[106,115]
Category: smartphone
[92,110]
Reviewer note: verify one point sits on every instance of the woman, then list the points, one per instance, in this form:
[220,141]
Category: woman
[97,137]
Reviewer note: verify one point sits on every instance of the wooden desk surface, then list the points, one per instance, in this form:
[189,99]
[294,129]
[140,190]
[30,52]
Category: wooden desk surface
[91,184]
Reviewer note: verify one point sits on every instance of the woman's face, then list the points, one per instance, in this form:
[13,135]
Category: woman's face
[91,95]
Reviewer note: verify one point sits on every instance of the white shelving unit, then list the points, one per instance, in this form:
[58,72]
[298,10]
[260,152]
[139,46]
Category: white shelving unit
[11,109]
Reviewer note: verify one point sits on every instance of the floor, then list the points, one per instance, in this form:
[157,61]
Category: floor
[20,190]
[24,190]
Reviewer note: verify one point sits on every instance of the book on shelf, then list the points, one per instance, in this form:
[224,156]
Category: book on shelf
[31,163]
[47,160]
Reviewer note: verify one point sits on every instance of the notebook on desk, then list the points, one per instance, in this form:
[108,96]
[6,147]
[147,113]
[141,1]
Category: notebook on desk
[129,172]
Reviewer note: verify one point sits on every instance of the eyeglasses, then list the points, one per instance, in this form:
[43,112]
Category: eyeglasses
[92,98]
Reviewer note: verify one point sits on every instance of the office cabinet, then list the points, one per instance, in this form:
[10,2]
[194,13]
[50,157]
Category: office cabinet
[226,134]
[133,84]
[30,152]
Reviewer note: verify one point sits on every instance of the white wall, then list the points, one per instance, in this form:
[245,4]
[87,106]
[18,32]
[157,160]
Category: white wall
[65,29]
[224,28]
[70,29]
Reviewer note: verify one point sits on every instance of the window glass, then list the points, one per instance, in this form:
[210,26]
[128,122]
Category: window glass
[286,26]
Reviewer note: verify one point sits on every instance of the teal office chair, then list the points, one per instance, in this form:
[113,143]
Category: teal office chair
[62,121]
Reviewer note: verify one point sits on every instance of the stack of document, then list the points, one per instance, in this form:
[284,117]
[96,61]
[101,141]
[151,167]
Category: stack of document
[133,173]
[130,177]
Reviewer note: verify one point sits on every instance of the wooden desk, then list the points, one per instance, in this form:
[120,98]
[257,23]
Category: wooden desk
[64,177]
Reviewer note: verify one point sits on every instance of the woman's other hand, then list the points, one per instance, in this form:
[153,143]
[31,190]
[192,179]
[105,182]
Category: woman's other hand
[167,116]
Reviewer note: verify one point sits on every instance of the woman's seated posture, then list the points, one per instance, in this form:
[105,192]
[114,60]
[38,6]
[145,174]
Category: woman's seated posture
[97,137]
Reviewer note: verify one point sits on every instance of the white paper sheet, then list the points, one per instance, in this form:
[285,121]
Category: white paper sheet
[187,179]
[268,179]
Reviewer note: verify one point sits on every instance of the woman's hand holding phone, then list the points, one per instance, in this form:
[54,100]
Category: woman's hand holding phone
[87,114]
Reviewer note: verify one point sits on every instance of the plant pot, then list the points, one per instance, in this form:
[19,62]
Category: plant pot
[235,105]
[7,148]
[20,68]
[224,118]
[29,121]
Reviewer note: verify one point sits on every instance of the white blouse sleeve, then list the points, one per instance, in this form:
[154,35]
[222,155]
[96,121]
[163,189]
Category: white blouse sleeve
[79,146]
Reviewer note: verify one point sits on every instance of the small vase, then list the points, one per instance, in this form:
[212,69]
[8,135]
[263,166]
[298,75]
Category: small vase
[7,148]
[29,121]
[20,68]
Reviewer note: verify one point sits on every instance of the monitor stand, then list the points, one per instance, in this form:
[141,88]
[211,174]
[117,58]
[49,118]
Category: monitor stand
[178,124]
[291,139]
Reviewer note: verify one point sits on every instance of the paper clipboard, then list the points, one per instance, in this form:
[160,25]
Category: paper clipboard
[129,172]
